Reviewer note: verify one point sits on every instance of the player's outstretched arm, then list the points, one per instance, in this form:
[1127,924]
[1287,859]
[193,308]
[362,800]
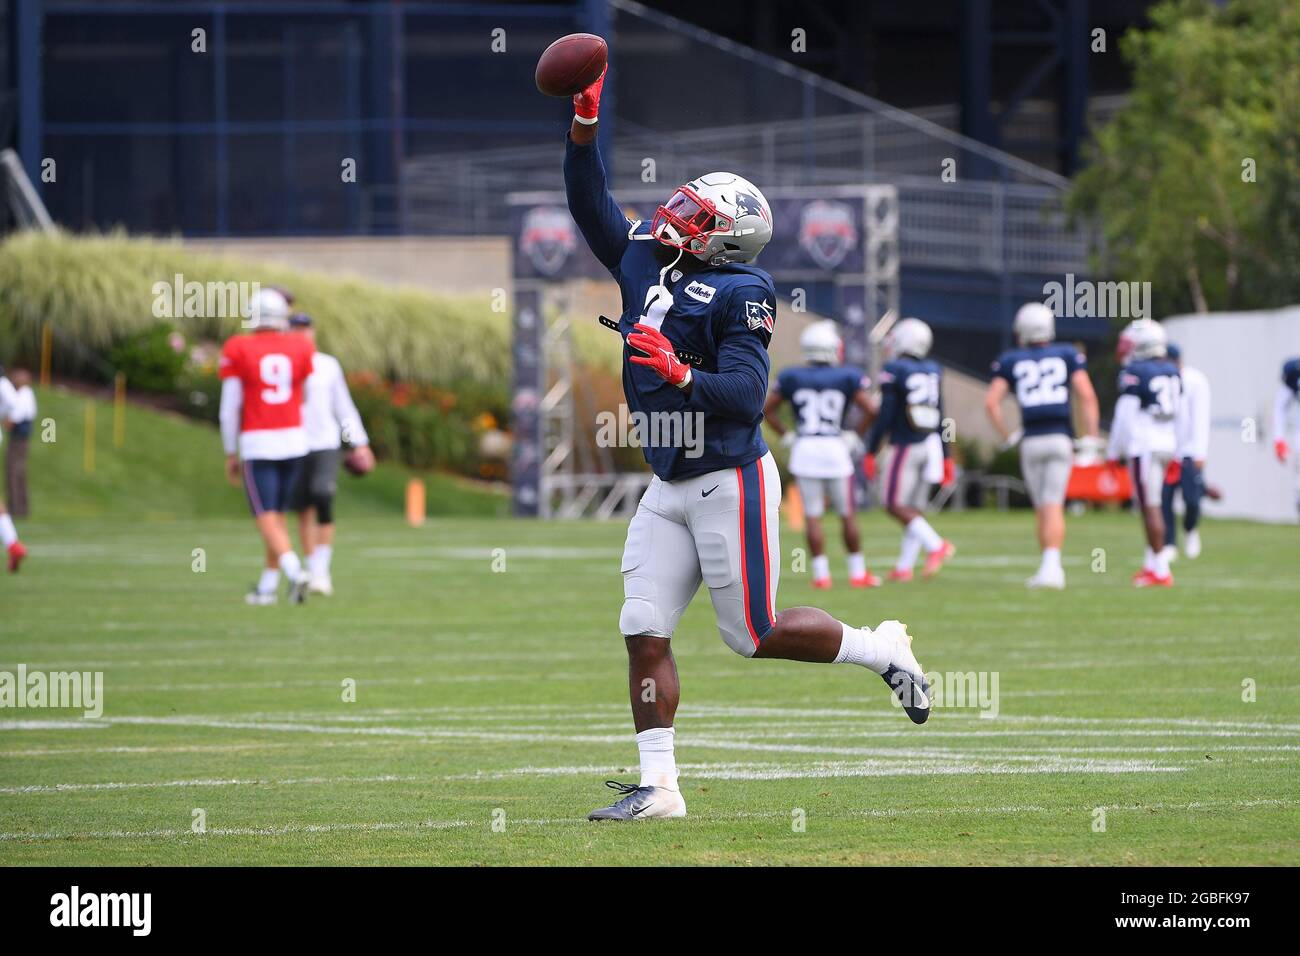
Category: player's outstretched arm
[598,216]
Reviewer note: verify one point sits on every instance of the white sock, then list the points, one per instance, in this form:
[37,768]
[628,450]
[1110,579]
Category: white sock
[928,537]
[1161,566]
[1148,560]
[857,565]
[1051,559]
[270,581]
[8,533]
[658,765]
[861,645]
[907,554]
[291,566]
[821,567]
[319,560]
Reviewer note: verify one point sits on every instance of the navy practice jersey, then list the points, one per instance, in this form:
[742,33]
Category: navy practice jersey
[911,405]
[1157,385]
[1291,376]
[820,395]
[1039,377]
[723,314]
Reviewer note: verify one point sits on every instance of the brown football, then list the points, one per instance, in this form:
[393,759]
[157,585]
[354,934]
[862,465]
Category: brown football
[571,64]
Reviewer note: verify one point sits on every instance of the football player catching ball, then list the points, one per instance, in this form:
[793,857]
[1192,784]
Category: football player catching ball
[688,282]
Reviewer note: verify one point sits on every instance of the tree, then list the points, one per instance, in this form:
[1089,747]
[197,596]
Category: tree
[1195,183]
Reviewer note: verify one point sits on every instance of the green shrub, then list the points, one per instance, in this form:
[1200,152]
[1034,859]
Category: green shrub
[151,360]
[434,371]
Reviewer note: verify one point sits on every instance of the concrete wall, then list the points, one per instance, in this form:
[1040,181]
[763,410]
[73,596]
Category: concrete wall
[1242,354]
[433,264]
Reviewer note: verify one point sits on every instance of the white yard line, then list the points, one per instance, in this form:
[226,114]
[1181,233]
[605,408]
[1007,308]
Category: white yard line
[415,826]
[165,784]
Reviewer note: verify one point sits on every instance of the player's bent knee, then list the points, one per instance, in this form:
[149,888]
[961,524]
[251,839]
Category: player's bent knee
[736,633]
[640,618]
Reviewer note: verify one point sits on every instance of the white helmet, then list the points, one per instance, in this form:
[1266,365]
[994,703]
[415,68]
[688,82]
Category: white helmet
[821,343]
[269,309]
[909,337]
[718,218]
[1141,339]
[1035,324]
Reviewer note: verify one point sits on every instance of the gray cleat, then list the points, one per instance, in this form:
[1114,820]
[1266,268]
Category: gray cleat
[641,803]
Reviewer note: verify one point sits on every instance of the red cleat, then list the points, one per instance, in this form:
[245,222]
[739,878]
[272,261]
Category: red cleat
[897,575]
[1149,579]
[867,580]
[822,584]
[16,554]
[935,559]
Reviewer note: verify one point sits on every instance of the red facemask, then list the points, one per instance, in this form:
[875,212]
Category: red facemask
[692,217]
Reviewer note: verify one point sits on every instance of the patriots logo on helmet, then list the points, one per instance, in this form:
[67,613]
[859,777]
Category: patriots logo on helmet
[827,232]
[548,238]
[747,205]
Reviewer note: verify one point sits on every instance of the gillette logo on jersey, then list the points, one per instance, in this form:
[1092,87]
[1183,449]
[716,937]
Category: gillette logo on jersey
[271,367]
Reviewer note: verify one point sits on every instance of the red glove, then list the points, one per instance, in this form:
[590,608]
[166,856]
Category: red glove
[1280,449]
[660,355]
[949,472]
[1174,472]
[869,466]
[587,103]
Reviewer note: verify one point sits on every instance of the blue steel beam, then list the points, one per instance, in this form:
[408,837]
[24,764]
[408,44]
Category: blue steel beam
[28,28]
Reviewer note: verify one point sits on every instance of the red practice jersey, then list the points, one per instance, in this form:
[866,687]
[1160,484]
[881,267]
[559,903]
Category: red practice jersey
[271,367]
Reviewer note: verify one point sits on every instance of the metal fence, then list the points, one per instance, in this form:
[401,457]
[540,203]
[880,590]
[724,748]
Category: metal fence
[777,125]
[968,224]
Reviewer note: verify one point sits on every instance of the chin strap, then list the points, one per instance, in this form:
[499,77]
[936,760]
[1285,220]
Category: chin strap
[676,259]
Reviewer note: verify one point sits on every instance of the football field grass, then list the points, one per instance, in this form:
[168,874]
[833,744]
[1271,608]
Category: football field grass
[490,706]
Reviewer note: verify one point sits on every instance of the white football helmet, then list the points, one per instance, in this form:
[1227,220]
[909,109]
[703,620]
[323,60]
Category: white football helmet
[821,343]
[1035,324]
[909,337]
[718,218]
[1141,339]
[268,310]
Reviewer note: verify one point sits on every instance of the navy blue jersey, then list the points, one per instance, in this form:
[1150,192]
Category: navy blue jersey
[723,314]
[820,394]
[1291,376]
[1039,377]
[911,405]
[1157,385]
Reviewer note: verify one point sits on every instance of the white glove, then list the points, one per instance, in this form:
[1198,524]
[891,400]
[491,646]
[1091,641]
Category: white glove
[853,441]
[788,438]
[1012,440]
